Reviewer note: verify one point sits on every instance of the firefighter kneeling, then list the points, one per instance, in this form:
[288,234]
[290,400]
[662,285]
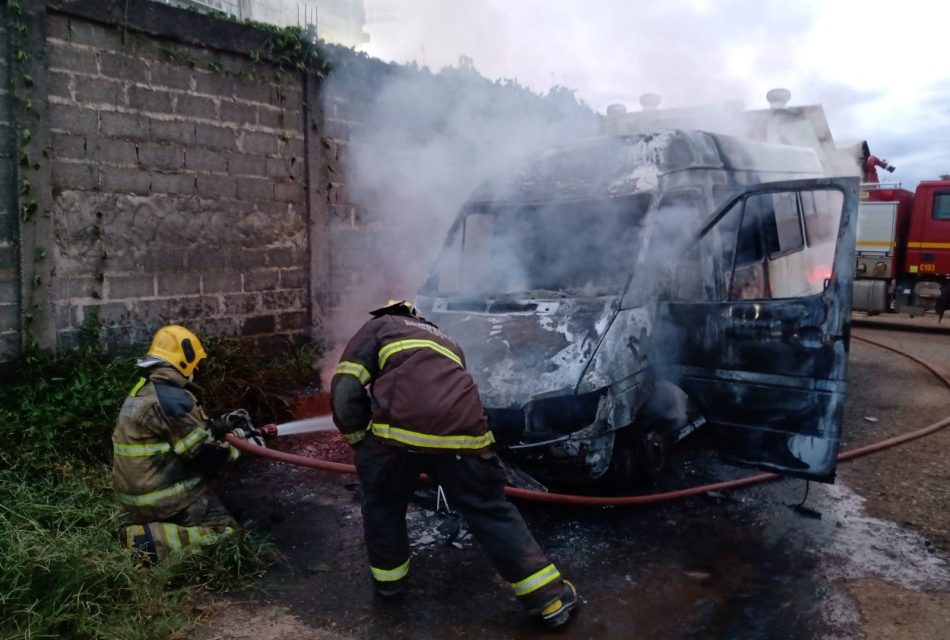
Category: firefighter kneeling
[165,450]
[426,416]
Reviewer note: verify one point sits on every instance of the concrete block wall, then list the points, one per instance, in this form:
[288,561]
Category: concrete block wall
[180,175]
[359,265]
[178,187]
[352,241]
[9,254]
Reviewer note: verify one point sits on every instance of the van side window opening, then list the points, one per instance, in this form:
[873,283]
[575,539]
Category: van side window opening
[718,249]
[822,213]
[941,206]
[749,279]
[750,243]
[781,246]
[782,222]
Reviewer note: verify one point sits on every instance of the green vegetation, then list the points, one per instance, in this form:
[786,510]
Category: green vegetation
[236,375]
[60,410]
[63,572]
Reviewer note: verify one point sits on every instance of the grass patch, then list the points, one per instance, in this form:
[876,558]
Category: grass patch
[63,572]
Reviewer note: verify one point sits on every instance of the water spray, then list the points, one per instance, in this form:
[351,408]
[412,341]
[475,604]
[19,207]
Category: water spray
[320,424]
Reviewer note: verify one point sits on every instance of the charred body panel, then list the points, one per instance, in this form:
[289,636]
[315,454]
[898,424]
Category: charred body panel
[567,364]
[790,417]
[769,370]
[540,351]
[528,364]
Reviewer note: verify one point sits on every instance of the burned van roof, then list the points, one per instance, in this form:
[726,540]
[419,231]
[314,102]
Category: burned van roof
[614,166]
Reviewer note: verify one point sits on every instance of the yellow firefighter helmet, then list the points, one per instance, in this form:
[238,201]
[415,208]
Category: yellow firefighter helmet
[179,347]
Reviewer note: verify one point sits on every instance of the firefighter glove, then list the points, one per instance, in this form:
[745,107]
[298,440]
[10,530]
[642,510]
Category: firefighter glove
[249,433]
[239,419]
[889,168]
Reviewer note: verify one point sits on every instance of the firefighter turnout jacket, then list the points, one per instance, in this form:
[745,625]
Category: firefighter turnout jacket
[163,451]
[421,395]
[423,410]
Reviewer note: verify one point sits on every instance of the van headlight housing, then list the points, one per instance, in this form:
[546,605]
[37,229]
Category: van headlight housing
[559,415]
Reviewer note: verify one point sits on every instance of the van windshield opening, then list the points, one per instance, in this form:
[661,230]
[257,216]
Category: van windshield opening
[579,248]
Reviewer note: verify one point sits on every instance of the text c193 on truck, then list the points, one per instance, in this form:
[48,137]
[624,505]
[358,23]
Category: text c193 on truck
[616,294]
[903,247]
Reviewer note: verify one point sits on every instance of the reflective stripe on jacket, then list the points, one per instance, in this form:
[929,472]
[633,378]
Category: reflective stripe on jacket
[159,437]
[422,396]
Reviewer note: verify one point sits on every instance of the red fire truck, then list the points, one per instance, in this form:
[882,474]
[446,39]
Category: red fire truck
[903,247]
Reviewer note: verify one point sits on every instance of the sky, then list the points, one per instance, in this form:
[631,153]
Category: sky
[880,69]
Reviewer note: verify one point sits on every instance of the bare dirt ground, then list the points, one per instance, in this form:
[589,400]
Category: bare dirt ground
[743,565]
[908,484]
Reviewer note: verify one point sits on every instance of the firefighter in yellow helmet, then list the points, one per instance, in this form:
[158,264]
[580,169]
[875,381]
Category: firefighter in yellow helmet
[165,450]
[422,413]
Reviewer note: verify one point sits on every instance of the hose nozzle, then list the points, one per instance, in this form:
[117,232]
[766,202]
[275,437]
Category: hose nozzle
[269,430]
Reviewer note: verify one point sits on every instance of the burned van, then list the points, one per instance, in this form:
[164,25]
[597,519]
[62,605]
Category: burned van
[616,295]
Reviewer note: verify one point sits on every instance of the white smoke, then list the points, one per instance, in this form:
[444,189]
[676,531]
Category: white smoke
[427,140]
[874,65]
[424,143]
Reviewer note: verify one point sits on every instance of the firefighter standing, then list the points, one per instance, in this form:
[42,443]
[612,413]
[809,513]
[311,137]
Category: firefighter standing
[423,414]
[165,450]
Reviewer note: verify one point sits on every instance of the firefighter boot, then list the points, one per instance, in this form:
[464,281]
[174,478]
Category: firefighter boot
[391,590]
[557,612]
[138,539]
[391,584]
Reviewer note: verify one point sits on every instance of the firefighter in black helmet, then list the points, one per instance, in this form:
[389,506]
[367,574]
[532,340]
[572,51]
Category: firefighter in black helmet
[165,450]
[423,414]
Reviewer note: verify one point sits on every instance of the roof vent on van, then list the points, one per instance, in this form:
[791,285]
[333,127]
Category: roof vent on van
[650,101]
[778,98]
[616,110]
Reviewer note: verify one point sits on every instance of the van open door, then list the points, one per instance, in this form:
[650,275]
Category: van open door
[760,342]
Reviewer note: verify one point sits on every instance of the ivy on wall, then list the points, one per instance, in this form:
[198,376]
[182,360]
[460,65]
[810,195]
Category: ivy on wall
[28,161]
[290,48]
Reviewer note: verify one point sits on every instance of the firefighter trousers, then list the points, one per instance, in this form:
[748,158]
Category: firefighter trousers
[204,521]
[474,484]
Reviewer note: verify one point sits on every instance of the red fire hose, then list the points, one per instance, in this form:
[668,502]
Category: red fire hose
[652,498]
